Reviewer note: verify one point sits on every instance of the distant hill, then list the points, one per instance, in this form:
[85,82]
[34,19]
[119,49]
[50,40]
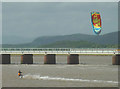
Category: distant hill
[110,38]
[76,44]
[74,40]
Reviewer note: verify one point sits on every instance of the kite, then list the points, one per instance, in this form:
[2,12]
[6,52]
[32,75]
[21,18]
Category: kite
[96,22]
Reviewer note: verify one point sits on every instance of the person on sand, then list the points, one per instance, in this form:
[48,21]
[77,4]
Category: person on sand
[20,74]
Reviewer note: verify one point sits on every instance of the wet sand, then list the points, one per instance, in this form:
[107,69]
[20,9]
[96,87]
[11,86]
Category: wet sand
[93,71]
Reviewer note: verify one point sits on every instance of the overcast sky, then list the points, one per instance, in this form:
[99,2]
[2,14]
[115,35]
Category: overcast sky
[35,19]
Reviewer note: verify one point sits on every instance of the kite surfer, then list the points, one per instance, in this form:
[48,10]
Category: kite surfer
[20,74]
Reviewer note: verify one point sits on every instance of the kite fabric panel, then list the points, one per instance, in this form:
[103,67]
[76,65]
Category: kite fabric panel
[96,22]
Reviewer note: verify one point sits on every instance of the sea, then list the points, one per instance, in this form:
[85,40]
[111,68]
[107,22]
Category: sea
[92,71]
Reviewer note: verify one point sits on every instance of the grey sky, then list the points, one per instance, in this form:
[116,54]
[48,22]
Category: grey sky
[34,19]
[0,23]
[60,0]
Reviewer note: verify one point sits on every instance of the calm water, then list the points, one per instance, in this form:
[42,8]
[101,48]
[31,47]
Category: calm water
[93,71]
